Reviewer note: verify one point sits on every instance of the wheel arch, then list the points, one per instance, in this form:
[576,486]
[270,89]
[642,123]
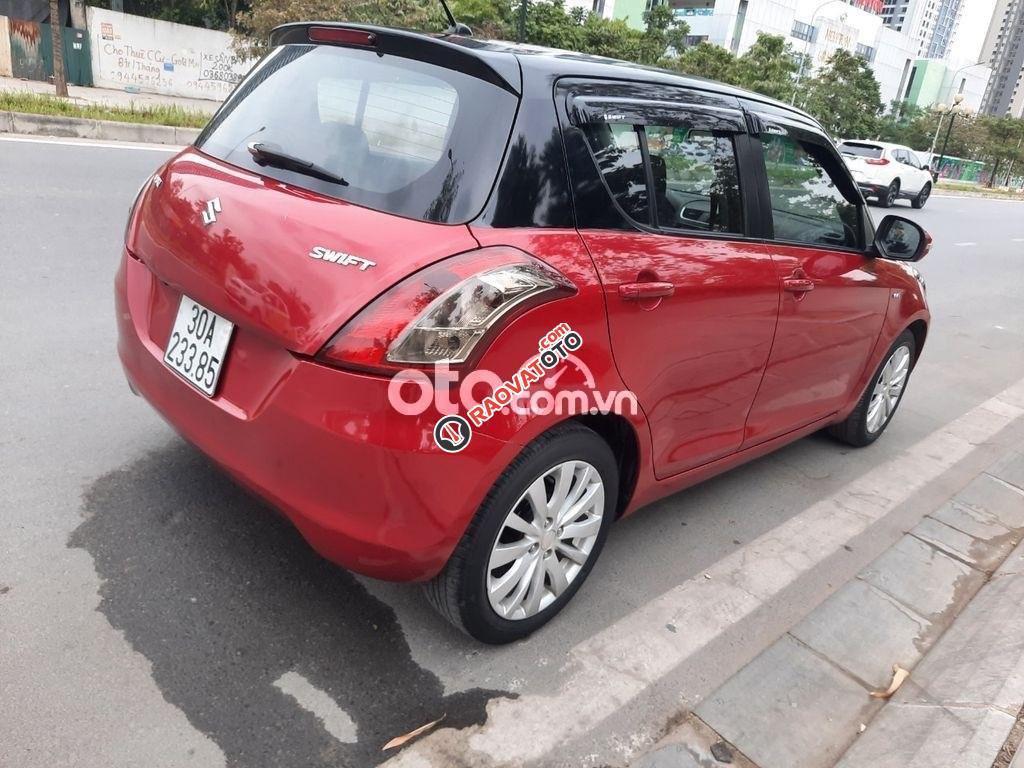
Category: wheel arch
[919,328]
[622,438]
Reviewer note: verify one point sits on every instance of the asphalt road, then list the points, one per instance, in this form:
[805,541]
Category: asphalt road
[152,613]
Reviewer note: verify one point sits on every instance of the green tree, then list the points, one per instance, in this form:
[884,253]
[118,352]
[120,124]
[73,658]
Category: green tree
[254,25]
[908,124]
[663,32]
[844,96]
[767,67]
[706,60]
[1001,143]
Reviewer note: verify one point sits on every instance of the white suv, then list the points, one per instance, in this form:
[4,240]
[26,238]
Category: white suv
[887,172]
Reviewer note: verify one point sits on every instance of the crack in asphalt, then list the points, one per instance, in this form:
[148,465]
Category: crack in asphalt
[223,597]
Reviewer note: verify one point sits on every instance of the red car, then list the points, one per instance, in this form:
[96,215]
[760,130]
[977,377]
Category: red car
[455,306]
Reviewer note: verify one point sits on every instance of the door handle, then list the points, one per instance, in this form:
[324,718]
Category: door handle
[798,284]
[646,290]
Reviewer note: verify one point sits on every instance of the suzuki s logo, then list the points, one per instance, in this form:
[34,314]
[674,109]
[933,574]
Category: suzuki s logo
[342,258]
[212,209]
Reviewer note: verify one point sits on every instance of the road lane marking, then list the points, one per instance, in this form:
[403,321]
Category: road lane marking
[97,144]
[1018,239]
[607,671]
[335,720]
[967,243]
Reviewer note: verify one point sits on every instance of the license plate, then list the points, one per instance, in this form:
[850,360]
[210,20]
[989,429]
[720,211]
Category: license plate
[198,345]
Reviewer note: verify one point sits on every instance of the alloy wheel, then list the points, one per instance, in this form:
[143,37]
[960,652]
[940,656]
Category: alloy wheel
[545,540]
[890,197]
[888,389]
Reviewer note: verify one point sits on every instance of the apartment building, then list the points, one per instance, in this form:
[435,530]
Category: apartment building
[1004,49]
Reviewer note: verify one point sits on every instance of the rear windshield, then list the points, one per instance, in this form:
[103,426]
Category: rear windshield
[408,137]
[860,150]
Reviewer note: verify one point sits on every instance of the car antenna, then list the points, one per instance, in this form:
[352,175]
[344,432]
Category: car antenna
[454,27]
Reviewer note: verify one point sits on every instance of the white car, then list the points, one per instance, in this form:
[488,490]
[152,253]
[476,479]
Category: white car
[887,172]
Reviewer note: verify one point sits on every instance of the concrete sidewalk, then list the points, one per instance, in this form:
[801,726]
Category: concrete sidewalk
[944,602]
[108,96]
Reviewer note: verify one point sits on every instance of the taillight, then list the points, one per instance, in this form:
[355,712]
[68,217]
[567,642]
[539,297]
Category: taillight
[444,313]
[876,161]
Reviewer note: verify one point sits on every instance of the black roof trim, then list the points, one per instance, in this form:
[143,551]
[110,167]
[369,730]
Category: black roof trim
[495,61]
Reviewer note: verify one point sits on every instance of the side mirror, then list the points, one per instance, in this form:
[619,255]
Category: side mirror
[901,239]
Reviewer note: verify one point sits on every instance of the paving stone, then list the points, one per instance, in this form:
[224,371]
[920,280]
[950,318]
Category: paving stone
[1018,758]
[929,581]
[789,708]
[978,523]
[693,743]
[669,756]
[979,661]
[988,494]
[930,737]
[985,555]
[865,632]
[1010,469]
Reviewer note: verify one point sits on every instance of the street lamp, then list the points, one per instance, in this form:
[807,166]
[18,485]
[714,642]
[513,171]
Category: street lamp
[943,110]
[807,46]
[953,112]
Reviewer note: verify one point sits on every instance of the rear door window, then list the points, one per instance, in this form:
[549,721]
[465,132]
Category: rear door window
[405,135]
[807,204]
[696,181]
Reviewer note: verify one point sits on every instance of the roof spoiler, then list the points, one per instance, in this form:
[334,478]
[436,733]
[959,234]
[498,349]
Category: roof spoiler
[498,69]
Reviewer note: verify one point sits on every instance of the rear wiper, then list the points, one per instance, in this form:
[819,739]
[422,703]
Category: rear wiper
[272,154]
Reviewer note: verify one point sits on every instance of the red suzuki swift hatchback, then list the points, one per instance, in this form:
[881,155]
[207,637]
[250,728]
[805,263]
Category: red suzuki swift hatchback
[455,306]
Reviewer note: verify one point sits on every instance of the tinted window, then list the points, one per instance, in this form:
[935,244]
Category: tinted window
[616,148]
[696,183]
[807,207]
[404,134]
[860,150]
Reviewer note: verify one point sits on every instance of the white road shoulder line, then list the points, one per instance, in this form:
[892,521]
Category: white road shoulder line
[94,144]
[335,720]
[608,670]
[967,243]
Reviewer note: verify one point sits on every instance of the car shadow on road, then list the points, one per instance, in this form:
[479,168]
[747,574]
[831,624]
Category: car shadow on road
[223,597]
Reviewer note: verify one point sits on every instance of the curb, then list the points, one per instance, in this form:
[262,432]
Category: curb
[85,128]
[942,602]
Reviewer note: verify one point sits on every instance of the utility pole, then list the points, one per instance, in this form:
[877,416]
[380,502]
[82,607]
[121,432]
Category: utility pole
[521,32]
[59,80]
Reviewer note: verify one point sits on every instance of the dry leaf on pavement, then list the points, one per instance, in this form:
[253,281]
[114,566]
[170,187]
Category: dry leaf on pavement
[899,674]
[400,740]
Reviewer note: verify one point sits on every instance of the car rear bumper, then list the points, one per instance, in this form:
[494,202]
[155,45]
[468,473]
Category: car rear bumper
[870,189]
[366,486]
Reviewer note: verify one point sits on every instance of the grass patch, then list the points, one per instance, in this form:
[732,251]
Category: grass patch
[155,114]
[977,190]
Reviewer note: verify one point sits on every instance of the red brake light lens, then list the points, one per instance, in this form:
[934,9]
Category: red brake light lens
[876,161]
[342,36]
[444,313]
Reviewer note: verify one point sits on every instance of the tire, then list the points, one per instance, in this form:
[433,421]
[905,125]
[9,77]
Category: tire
[858,430]
[460,592]
[922,196]
[891,195]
